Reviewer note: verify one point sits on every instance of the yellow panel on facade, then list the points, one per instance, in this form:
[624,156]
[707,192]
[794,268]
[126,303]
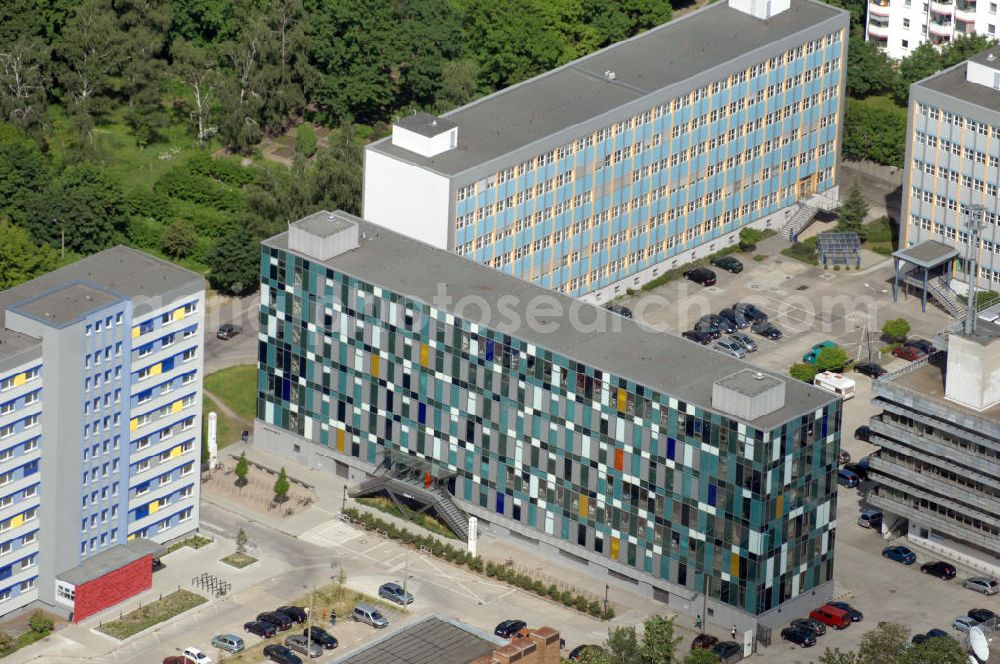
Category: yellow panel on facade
[622,399]
[16,521]
[133,424]
[340,440]
[20,379]
[135,331]
[179,314]
[375,359]
[584,506]
[154,507]
[131,537]
[176,452]
[156,369]
[614,547]
[779,505]
[734,564]
[424,354]
[176,406]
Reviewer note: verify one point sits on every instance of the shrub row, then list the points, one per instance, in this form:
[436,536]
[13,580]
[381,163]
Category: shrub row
[181,183]
[223,170]
[459,556]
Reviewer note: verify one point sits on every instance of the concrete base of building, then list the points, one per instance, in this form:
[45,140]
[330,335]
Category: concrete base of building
[774,221]
[599,567]
[952,551]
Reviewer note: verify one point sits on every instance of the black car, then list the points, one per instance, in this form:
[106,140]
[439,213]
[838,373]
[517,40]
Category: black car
[578,651]
[765,329]
[228,331]
[703,337]
[870,369]
[296,613]
[619,309]
[279,620]
[281,655]
[750,311]
[736,318]
[264,630]
[863,432]
[940,569]
[937,634]
[509,628]
[701,275]
[857,469]
[728,263]
[726,649]
[810,625]
[711,328]
[923,346]
[157,565]
[981,615]
[856,616]
[918,639]
[320,637]
[798,636]
[724,325]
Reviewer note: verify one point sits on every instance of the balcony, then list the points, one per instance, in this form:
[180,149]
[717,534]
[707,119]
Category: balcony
[943,8]
[941,29]
[927,518]
[878,30]
[954,495]
[965,11]
[879,8]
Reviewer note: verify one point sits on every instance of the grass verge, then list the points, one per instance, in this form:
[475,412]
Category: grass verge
[425,521]
[238,560]
[804,251]
[195,542]
[236,387]
[152,614]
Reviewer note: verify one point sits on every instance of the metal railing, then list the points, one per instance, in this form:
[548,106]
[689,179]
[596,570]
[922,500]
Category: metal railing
[912,366]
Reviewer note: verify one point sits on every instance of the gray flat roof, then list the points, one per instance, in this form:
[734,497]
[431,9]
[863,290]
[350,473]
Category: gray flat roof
[66,304]
[952,82]
[114,558]
[433,640]
[579,91]
[573,328]
[928,254]
[748,384]
[425,124]
[322,224]
[929,381]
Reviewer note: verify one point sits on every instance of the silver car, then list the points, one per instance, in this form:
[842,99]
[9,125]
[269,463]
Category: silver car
[301,644]
[744,340]
[228,642]
[731,347]
[982,584]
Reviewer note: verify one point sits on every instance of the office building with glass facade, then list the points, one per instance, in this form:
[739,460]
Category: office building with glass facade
[649,459]
[604,173]
[100,418]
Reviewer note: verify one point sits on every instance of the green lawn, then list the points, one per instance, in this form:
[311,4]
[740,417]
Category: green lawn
[236,387]
[238,560]
[152,614]
[227,429]
[804,251]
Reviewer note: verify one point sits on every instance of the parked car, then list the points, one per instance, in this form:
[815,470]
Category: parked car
[843,456]
[940,569]
[728,263]
[846,478]
[196,655]
[982,584]
[227,331]
[938,633]
[320,637]
[900,554]
[766,330]
[725,325]
[981,615]
[736,318]
[922,345]
[368,614]
[810,624]
[279,620]
[702,337]
[731,348]
[176,659]
[832,616]
[908,353]
[799,637]
[264,630]
[576,653]
[727,650]
[746,341]
[701,275]
[228,642]
[855,615]
[870,369]
[709,327]
[863,432]
[281,654]
[157,565]
[703,642]
[918,639]
[509,628]
[857,469]
[619,309]
[964,623]
[870,518]
[813,354]
[751,311]
[296,613]
[301,644]
[395,593]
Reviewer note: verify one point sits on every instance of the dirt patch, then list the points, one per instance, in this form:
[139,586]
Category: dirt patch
[258,492]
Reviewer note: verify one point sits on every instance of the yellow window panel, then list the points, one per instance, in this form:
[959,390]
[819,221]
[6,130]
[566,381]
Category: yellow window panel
[135,331]
[20,379]
[622,399]
[424,355]
[374,363]
[131,537]
[179,314]
[734,564]
[779,506]
[156,369]
[614,547]
[176,452]
[584,506]
[133,424]
[176,406]
[17,521]
[340,440]
[154,507]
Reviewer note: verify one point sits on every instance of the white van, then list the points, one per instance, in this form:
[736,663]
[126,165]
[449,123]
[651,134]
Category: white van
[839,384]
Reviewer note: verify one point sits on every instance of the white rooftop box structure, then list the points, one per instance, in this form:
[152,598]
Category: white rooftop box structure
[760,8]
[425,134]
[748,394]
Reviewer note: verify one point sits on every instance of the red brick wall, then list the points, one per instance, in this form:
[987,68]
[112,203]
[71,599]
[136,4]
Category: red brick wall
[114,587]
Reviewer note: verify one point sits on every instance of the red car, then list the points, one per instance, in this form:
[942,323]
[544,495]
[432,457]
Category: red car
[909,353]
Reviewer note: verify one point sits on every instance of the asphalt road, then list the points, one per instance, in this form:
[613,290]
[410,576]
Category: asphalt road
[241,349]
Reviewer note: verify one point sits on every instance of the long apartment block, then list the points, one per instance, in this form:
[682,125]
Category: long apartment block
[100,425]
[900,26]
[651,460]
[602,174]
[953,164]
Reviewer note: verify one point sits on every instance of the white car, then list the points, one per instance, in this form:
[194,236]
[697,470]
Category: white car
[964,623]
[197,656]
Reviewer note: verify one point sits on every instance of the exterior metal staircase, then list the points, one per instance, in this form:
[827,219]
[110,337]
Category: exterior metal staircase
[402,483]
[803,217]
[940,292]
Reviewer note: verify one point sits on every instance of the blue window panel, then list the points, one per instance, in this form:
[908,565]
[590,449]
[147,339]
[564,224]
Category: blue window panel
[711,494]
[422,413]
[286,389]
[500,502]
[141,512]
[146,327]
[142,487]
[168,364]
[145,394]
[671,448]
[31,468]
[6,572]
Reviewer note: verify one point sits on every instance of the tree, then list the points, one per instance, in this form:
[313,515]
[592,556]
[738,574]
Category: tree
[835,656]
[921,63]
[883,645]
[40,623]
[659,645]
[23,82]
[144,27]
[241,541]
[24,174]
[281,486]
[701,656]
[832,358]
[749,237]
[869,69]
[305,140]
[964,47]
[939,650]
[459,83]
[180,239]
[875,132]
[896,329]
[803,371]
[235,263]
[853,210]
[241,470]
[21,259]
[196,67]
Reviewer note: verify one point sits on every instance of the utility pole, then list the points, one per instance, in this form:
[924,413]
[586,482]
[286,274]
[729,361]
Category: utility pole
[309,618]
[976,215]
[343,502]
[406,573]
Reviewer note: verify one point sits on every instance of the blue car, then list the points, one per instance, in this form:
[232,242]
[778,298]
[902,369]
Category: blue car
[847,478]
[900,554]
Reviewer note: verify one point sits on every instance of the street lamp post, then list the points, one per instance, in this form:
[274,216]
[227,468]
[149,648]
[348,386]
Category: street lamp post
[309,617]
